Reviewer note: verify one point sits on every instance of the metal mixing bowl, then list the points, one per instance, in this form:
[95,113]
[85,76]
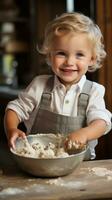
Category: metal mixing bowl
[47,167]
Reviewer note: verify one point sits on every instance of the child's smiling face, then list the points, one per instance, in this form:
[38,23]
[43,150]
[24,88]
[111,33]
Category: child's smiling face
[70,57]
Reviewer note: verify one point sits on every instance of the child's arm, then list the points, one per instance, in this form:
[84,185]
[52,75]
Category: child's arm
[93,131]
[11,123]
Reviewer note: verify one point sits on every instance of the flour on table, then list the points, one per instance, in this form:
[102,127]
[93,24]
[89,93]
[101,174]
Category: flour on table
[57,181]
[11,191]
[72,184]
[101,171]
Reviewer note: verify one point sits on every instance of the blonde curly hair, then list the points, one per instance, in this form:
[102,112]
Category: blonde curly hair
[75,23]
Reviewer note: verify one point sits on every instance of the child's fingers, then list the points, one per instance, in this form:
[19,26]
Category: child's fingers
[22,134]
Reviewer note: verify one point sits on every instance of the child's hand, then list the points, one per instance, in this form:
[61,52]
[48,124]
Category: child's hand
[12,135]
[77,137]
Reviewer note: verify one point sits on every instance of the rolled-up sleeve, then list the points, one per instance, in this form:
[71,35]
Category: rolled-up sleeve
[28,100]
[96,108]
[23,106]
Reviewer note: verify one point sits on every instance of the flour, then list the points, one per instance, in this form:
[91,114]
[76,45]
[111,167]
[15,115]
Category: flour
[72,184]
[43,151]
[75,146]
[101,171]
[57,181]
[47,146]
[11,191]
[40,150]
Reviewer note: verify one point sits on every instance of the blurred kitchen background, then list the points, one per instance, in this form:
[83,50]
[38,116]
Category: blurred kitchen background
[22,24]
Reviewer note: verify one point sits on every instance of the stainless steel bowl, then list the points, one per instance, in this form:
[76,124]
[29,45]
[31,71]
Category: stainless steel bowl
[47,167]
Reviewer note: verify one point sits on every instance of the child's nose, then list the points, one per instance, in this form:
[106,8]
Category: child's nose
[70,60]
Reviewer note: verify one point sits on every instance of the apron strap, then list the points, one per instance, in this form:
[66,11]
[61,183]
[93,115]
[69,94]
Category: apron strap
[84,97]
[47,94]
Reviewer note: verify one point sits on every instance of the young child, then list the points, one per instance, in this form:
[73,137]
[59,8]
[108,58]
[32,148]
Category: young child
[65,102]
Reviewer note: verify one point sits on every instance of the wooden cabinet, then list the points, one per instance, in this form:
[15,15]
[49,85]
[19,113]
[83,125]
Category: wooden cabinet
[15,42]
[104,20]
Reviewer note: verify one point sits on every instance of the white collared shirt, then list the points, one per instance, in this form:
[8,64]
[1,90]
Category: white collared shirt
[63,102]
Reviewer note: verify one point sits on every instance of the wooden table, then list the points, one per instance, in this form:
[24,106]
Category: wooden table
[90,181]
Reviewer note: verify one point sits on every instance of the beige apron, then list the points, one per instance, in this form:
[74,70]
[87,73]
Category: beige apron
[50,122]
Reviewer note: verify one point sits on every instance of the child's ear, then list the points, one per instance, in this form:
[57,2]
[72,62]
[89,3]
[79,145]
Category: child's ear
[93,60]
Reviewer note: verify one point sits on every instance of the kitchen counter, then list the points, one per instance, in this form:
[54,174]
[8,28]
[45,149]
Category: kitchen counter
[90,181]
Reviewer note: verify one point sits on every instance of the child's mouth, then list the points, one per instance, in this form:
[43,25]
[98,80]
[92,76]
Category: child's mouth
[68,70]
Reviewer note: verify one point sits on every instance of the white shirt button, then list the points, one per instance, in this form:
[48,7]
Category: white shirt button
[67,101]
